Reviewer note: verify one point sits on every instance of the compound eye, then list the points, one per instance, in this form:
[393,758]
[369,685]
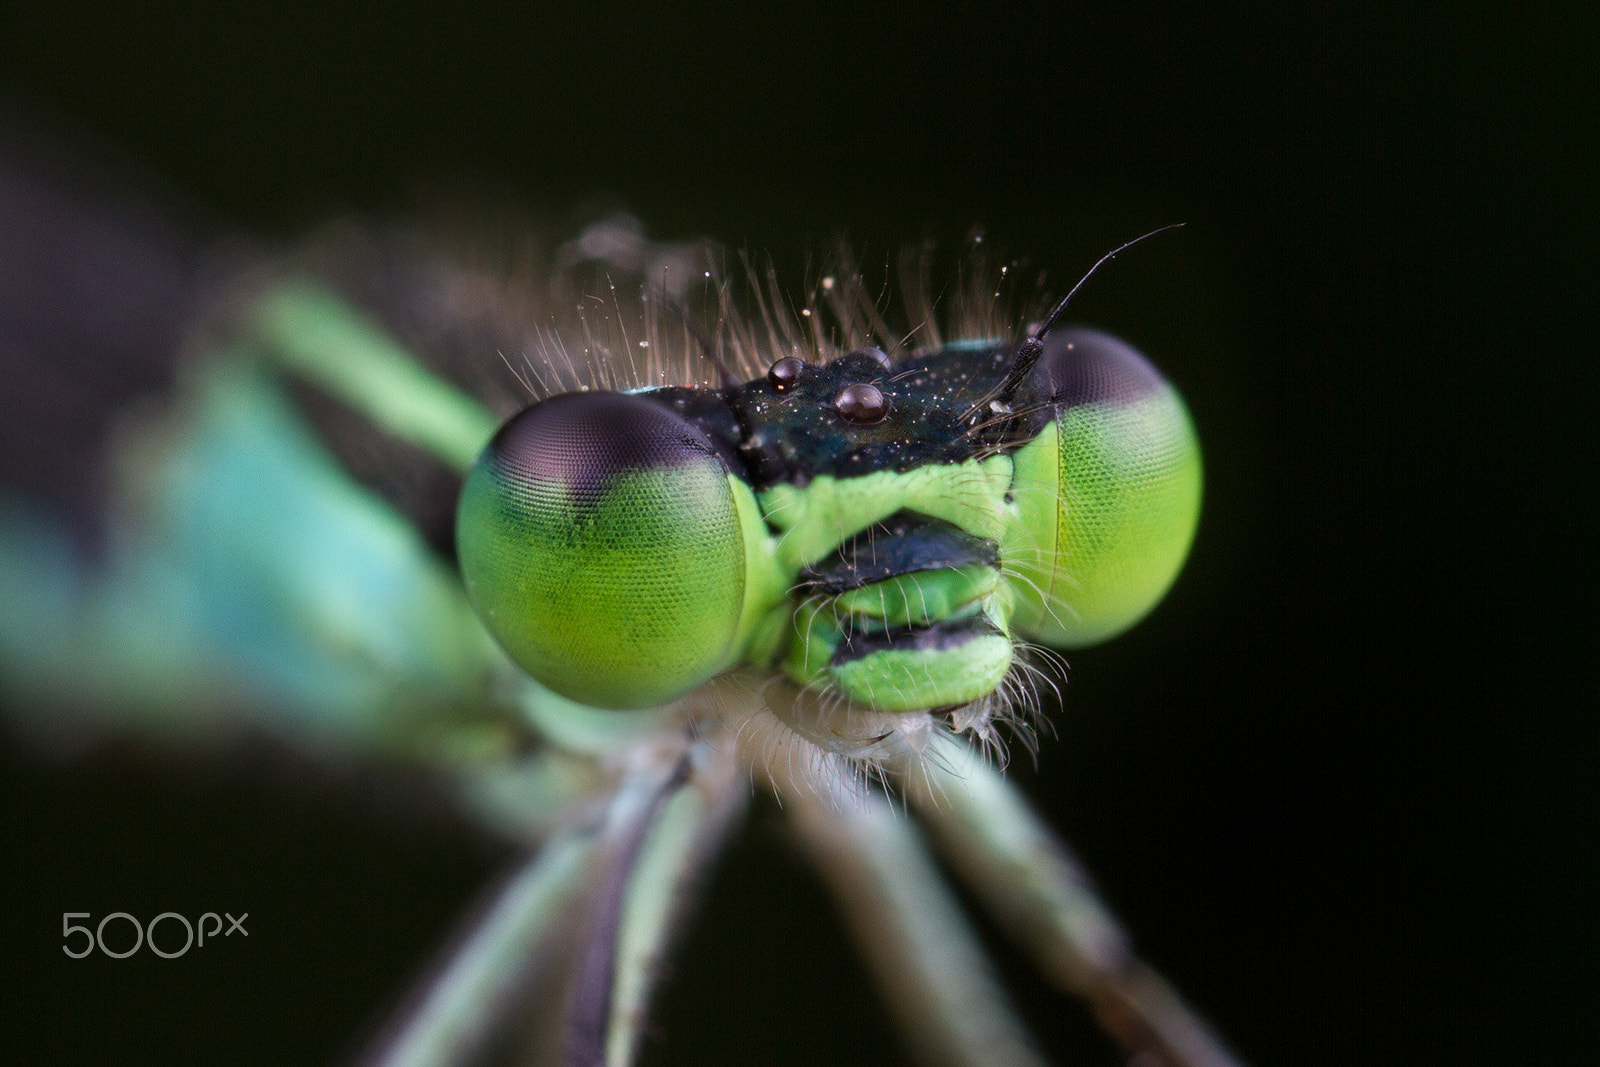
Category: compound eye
[1107,496]
[601,545]
[1084,366]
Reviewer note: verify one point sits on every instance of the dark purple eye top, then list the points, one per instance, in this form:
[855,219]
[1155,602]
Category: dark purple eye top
[785,373]
[861,403]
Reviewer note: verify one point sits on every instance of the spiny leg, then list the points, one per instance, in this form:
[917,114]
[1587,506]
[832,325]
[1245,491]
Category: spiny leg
[926,956]
[662,831]
[1043,896]
[468,996]
[640,849]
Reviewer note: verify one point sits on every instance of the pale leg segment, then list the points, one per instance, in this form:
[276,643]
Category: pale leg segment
[927,958]
[465,1000]
[1043,897]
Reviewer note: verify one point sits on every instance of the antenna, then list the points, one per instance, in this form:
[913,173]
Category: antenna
[1029,351]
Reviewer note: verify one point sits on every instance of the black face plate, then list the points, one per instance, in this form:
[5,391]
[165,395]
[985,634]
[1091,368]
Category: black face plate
[809,421]
[938,637]
[904,543]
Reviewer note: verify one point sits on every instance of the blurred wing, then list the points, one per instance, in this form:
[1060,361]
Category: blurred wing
[201,519]
[98,282]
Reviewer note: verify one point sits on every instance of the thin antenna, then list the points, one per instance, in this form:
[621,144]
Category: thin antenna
[1030,350]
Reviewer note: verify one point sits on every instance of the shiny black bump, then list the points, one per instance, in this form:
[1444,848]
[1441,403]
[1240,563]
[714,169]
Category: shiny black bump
[861,403]
[785,373]
[877,355]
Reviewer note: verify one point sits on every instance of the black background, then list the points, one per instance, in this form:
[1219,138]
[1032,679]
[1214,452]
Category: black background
[1341,785]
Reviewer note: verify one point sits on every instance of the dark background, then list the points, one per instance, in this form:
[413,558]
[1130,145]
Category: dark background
[1342,785]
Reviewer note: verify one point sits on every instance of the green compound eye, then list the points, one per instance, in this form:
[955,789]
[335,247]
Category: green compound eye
[602,544]
[1107,496]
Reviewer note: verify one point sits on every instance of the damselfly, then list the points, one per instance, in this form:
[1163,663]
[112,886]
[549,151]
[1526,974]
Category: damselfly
[715,536]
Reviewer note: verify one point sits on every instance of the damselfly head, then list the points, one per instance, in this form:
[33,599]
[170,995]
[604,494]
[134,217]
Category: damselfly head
[884,522]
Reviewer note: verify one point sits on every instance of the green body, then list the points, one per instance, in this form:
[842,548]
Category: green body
[245,572]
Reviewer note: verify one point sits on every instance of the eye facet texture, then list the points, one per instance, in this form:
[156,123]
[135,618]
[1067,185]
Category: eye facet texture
[601,544]
[1108,495]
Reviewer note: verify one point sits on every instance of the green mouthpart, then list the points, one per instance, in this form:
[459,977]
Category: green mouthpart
[911,643]
[918,679]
